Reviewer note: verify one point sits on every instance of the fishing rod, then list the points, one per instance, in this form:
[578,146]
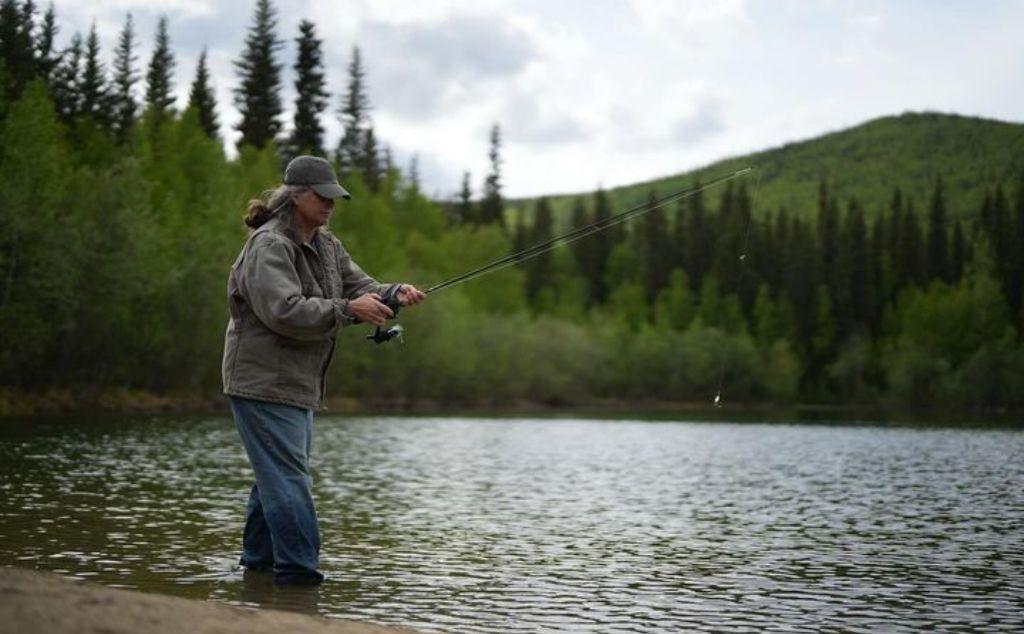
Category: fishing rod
[390,298]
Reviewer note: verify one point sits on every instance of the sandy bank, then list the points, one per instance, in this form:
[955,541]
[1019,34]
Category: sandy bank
[32,601]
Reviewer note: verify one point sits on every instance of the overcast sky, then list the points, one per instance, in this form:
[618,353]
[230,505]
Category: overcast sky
[605,92]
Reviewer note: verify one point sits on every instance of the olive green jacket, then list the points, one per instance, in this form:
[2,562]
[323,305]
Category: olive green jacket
[287,299]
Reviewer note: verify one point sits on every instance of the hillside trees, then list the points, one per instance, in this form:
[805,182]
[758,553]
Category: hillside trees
[113,250]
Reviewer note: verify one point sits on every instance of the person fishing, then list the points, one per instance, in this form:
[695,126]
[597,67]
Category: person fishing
[289,291]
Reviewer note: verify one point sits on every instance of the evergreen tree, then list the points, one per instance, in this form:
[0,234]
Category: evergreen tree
[125,77]
[258,95]
[783,244]
[1015,278]
[17,46]
[878,276]
[311,94]
[202,99]
[828,235]
[657,251]
[95,90]
[464,209]
[699,243]
[910,253]
[937,254]
[958,253]
[414,171]
[895,219]
[855,272]
[67,93]
[46,60]
[538,268]
[355,117]
[581,248]
[159,83]
[369,161]
[602,244]
[1001,237]
[492,205]
[748,244]
[801,280]
[521,234]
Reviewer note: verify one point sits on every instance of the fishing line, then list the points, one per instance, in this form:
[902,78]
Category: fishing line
[580,232]
[739,279]
[390,298]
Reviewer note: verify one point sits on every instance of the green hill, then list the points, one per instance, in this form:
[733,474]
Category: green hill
[866,162]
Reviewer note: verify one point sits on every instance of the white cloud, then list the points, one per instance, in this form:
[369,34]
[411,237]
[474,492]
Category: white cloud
[606,91]
[423,68]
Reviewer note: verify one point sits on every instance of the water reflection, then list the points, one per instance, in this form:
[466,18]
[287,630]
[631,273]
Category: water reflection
[258,590]
[526,525]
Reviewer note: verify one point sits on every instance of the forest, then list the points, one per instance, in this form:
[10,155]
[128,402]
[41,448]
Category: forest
[120,214]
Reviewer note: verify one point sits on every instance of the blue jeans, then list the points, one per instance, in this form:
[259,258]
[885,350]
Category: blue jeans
[281,532]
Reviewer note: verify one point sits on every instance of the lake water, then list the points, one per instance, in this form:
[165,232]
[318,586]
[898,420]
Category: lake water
[504,525]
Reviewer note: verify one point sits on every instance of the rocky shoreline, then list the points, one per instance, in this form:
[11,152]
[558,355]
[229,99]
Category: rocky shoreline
[34,601]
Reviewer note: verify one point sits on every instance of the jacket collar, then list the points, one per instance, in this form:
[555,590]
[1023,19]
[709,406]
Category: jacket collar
[285,229]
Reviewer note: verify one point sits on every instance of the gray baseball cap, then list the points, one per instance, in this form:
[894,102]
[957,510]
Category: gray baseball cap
[317,173]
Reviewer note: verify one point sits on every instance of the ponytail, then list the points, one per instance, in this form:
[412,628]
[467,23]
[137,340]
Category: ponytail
[274,202]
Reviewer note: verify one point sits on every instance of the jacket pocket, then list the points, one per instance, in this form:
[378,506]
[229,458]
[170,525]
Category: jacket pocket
[299,364]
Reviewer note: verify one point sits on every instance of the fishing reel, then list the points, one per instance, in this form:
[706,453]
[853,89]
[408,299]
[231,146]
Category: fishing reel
[381,334]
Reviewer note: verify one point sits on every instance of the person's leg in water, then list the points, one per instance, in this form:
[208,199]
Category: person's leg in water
[280,511]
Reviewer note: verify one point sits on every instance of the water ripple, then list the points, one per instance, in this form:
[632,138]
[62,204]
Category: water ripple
[552,525]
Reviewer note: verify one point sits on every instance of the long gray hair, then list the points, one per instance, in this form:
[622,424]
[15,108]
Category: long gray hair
[274,202]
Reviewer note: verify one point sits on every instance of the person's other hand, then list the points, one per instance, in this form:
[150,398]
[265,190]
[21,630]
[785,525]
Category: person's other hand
[370,309]
[409,295]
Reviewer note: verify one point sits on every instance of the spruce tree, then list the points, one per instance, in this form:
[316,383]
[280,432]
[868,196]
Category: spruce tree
[369,161]
[464,208]
[828,232]
[602,244]
[355,115]
[258,95]
[938,251]
[538,268]
[856,274]
[311,94]
[958,252]
[492,205]
[95,91]
[783,245]
[414,171]
[66,83]
[46,60]
[699,244]
[581,249]
[1015,289]
[520,234]
[202,99]
[802,277]
[16,46]
[125,77]
[657,256]
[159,98]
[910,252]
[877,283]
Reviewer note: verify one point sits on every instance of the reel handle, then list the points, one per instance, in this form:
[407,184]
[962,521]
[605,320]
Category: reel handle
[390,299]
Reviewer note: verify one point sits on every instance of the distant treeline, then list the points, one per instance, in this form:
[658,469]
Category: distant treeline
[120,216]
